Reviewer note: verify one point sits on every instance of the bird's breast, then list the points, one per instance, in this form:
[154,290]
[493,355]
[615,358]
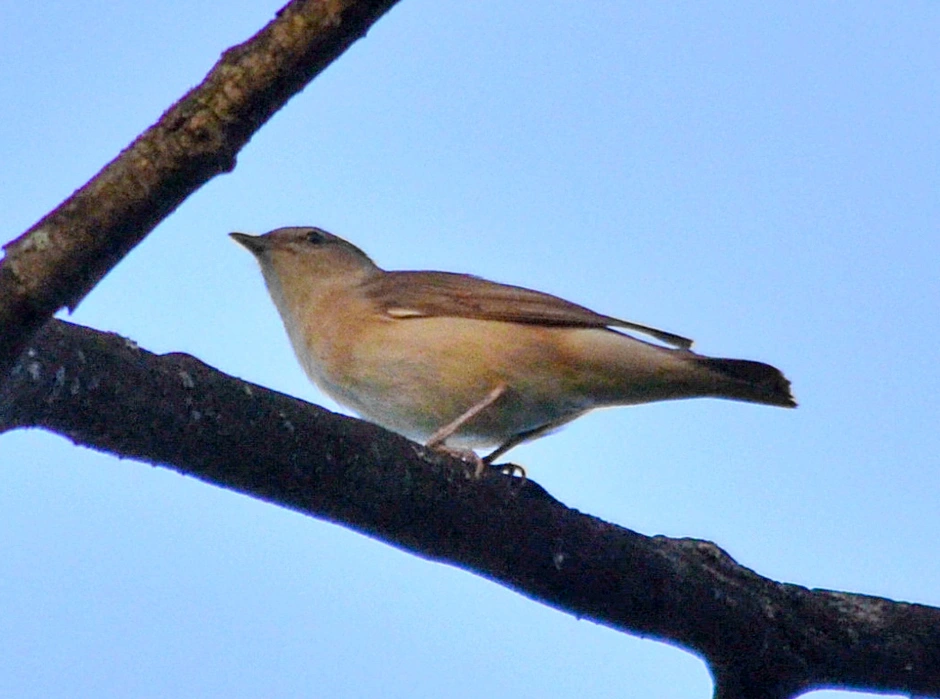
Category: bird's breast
[414,375]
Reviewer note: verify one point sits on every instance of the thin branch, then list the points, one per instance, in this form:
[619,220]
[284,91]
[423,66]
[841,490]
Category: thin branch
[760,638]
[58,261]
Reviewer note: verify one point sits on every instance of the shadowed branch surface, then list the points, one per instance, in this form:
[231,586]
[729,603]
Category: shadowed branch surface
[760,638]
[57,261]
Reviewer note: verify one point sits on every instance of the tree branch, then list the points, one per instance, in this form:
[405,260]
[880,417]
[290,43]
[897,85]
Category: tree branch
[56,262]
[760,638]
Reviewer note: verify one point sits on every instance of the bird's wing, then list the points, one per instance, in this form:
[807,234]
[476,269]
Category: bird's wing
[427,294]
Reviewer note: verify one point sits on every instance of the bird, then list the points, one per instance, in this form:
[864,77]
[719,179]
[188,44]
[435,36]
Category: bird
[461,363]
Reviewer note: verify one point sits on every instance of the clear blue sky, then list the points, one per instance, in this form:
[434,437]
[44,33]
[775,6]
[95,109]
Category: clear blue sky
[763,178]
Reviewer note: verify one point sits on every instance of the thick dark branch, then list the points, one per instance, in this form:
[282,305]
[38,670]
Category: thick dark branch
[62,257]
[761,638]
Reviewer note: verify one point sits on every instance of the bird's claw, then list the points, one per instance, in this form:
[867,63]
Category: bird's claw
[479,464]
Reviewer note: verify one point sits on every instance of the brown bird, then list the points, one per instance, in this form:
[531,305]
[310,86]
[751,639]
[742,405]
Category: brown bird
[460,362]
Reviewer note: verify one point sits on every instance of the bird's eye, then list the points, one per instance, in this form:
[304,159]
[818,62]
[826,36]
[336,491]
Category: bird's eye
[315,236]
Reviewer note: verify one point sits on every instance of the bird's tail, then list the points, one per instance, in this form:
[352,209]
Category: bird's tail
[755,382]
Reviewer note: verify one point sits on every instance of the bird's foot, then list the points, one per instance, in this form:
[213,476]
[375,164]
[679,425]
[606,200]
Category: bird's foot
[479,464]
[509,469]
[468,456]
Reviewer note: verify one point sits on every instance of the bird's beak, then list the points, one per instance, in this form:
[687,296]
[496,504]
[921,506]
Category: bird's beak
[255,244]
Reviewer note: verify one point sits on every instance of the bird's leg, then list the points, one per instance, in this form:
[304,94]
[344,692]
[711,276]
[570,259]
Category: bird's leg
[515,441]
[436,440]
[518,439]
[448,430]
[510,468]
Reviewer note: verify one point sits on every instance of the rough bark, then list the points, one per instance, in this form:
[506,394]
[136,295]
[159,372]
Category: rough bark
[55,263]
[760,638]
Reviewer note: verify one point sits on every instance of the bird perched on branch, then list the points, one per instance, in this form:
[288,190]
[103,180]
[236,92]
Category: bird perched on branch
[462,363]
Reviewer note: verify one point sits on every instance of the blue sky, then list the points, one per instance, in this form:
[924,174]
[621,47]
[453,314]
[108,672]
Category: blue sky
[763,179]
